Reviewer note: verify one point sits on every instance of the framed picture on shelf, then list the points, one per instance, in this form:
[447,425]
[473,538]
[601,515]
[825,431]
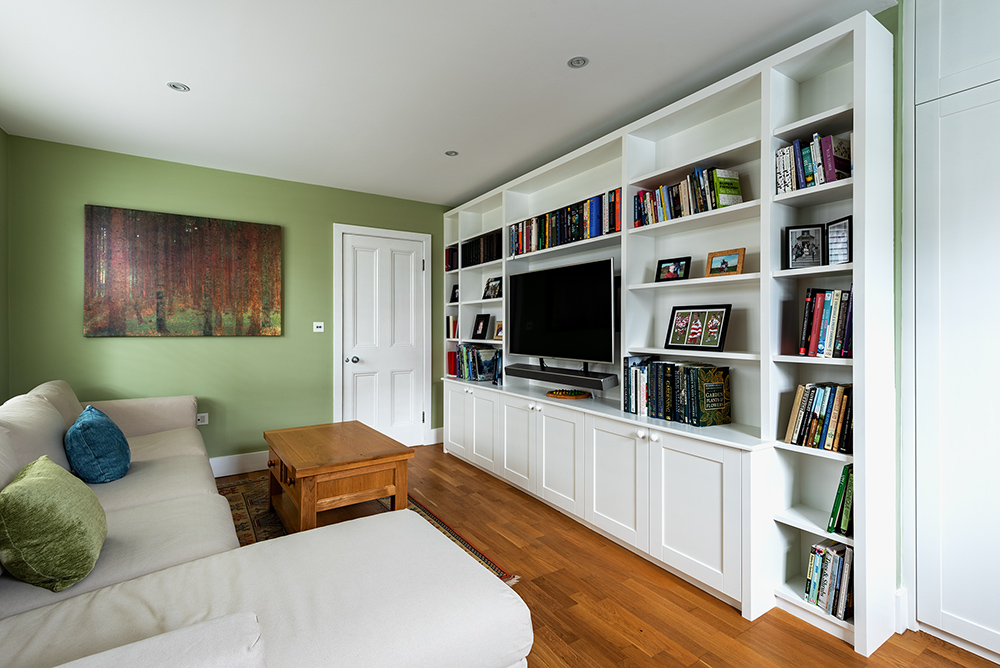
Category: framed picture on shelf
[454,294]
[493,288]
[698,328]
[498,331]
[481,328]
[725,263]
[802,246]
[673,269]
[838,241]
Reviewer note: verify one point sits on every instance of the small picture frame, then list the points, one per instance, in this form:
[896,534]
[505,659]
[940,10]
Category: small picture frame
[802,246]
[698,328]
[498,331]
[454,294]
[493,288]
[725,263]
[481,328]
[673,269]
[838,241]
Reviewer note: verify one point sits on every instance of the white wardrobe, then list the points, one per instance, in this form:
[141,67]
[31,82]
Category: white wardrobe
[956,90]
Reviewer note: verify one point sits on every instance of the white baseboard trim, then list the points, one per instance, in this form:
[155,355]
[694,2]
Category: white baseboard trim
[902,610]
[437,436]
[235,464]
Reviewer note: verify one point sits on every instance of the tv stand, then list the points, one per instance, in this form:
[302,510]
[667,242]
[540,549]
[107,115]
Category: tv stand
[592,380]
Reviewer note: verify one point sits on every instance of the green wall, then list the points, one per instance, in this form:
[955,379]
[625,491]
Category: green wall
[246,384]
[4,255]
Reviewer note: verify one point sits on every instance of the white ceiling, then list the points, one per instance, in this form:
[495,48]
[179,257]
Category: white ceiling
[368,96]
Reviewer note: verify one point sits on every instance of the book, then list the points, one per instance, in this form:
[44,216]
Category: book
[807,166]
[836,157]
[800,173]
[831,428]
[845,525]
[838,340]
[817,320]
[838,501]
[807,315]
[713,398]
[846,582]
[817,160]
[849,328]
[835,557]
[831,329]
[790,430]
[727,187]
[805,414]
[824,324]
[817,571]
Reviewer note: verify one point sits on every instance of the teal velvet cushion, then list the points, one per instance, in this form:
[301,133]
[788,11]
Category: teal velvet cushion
[96,447]
[52,526]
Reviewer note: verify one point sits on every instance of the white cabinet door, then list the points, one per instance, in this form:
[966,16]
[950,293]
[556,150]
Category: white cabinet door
[695,510]
[484,428]
[517,464]
[956,46]
[456,398]
[560,457]
[617,479]
[957,364]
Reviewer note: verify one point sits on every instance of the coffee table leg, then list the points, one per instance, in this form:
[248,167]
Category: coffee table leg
[307,503]
[399,500]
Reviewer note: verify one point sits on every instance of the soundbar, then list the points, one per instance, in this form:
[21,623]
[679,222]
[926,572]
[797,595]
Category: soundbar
[591,380]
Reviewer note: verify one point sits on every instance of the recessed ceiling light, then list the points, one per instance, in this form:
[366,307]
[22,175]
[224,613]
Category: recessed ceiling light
[451,154]
[576,62]
[178,86]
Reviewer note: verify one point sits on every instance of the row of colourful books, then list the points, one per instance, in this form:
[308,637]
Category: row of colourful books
[702,190]
[827,323]
[830,578]
[842,514]
[592,217]
[805,164]
[822,416]
[475,362]
[484,248]
[686,392]
[451,326]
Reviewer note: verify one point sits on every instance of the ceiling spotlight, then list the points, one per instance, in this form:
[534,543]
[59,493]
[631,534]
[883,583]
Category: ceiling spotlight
[178,86]
[577,62]
[451,154]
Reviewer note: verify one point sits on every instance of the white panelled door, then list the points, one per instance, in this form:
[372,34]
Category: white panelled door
[957,365]
[383,351]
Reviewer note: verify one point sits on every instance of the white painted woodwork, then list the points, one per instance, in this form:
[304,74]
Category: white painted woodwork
[617,479]
[485,429]
[383,328]
[517,429]
[457,414]
[956,47]
[560,449]
[957,363]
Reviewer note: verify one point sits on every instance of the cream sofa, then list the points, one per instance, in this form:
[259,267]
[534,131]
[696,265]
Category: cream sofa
[170,587]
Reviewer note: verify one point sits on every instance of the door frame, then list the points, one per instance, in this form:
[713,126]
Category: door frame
[337,327]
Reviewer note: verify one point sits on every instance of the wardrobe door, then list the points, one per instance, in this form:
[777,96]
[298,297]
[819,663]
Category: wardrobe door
[956,46]
[958,364]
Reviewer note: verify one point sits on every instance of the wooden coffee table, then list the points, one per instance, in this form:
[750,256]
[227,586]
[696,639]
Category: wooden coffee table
[327,466]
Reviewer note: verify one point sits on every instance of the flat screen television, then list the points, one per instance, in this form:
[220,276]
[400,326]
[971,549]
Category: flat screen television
[565,313]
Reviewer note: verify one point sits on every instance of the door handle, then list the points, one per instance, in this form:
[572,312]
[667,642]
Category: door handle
[352,359]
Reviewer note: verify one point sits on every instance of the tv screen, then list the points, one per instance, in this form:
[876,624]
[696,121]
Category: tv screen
[564,313]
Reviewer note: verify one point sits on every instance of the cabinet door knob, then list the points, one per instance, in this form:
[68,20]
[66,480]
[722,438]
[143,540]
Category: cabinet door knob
[538,408]
[271,464]
[654,438]
[531,407]
[640,434]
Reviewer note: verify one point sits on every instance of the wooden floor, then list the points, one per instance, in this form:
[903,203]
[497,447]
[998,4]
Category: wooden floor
[594,604]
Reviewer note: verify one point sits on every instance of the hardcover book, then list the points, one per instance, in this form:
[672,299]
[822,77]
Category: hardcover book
[714,398]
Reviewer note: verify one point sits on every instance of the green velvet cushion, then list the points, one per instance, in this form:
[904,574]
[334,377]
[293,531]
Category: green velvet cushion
[52,526]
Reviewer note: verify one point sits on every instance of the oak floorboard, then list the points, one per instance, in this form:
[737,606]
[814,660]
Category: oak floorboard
[595,604]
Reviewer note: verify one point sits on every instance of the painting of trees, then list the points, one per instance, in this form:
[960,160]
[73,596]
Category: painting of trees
[161,274]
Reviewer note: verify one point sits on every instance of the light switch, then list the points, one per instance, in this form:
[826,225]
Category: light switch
[318,326]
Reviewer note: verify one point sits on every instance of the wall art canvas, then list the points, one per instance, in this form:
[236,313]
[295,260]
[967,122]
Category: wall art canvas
[162,274]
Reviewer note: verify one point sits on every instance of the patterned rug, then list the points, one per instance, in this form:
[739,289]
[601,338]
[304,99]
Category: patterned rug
[255,521]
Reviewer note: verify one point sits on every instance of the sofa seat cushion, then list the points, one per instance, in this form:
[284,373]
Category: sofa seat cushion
[323,597]
[170,443]
[32,427]
[141,540]
[233,640]
[96,447]
[51,527]
[158,480]
[62,397]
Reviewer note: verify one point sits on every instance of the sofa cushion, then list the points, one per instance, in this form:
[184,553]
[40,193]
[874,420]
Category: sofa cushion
[62,397]
[51,526]
[158,480]
[96,447]
[32,427]
[233,640]
[141,539]
[170,443]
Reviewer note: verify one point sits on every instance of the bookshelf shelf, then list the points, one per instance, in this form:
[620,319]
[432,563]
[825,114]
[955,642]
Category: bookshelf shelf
[838,82]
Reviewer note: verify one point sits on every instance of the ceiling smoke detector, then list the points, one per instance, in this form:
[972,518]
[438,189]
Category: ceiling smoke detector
[178,86]
[577,62]
[451,154]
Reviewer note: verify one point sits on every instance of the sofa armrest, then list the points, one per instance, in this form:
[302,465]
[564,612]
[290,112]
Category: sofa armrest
[138,417]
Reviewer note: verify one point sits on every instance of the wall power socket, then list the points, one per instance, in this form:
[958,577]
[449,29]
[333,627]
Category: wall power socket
[201,418]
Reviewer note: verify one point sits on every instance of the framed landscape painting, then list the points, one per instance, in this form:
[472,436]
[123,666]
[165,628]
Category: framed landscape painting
[161,274]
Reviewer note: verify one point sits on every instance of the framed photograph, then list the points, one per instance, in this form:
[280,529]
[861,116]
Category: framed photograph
[838,241]
[498,331]
[725,263]
[454,294]
[481,328]
[698,327]
[673,269]
[802,246]
[492,289]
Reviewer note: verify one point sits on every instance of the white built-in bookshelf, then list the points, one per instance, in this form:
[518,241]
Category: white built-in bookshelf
[662,488]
